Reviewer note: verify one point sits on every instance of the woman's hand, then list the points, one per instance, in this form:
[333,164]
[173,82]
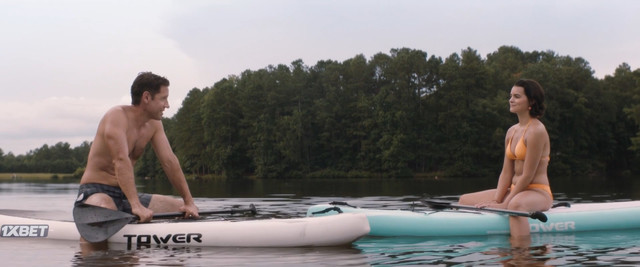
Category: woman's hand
[487,204]
[493,204]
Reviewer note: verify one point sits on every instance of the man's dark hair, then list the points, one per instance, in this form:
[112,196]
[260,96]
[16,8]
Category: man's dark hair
[146,81]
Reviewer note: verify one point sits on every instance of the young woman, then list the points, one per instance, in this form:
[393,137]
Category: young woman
[523,184]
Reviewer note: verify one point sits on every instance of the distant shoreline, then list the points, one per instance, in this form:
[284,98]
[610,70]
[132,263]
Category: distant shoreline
[34,176]
[70,176]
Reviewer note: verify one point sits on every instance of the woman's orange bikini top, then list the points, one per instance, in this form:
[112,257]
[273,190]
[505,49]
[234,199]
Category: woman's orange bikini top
[521,148]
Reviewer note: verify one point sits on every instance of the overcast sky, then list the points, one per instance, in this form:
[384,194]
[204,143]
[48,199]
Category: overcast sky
[64,63]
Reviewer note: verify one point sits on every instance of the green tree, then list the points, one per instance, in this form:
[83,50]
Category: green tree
[404,112]
[225,139]
[622,111]
[188,137]
[3,167]
[567,82]
[464,125]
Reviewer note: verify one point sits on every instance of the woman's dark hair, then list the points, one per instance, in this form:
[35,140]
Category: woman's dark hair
[146,81]
[535,94]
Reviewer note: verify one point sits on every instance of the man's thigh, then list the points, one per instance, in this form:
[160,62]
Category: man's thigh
[101,200]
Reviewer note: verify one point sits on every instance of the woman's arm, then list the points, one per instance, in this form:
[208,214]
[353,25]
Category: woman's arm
[506,175]
[504,182]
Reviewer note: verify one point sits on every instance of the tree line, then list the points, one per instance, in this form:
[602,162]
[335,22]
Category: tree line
[402,113]
[59,158]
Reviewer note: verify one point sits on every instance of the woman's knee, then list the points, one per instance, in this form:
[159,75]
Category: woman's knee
[514,204]
[476,197]
[465,199]
[530,201]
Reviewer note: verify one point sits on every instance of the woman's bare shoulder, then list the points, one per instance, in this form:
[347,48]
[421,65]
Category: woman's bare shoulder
[539,128]
[538,132]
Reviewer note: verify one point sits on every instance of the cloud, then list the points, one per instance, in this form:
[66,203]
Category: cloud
[65,63]
[228,37]
[27,125]
[54,119]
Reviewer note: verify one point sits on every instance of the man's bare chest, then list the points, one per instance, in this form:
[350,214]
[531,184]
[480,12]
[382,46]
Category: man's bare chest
[137,141]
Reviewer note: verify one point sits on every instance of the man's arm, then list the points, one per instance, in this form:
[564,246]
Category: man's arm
[116,139]
[171,167]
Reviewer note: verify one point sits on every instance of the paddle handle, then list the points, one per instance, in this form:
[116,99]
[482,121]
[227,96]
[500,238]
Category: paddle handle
[533,215]
[169,215]
[444,205]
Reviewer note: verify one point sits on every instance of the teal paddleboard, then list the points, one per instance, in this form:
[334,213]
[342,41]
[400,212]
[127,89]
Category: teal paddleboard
[449,222]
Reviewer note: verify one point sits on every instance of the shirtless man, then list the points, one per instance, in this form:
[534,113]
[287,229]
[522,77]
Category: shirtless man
[123,133]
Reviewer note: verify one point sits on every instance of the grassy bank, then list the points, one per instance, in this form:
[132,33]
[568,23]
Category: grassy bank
[34,176]
[56,176]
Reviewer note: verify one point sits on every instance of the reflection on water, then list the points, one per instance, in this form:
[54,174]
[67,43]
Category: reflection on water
[118,255]
[599,248]
[287,199]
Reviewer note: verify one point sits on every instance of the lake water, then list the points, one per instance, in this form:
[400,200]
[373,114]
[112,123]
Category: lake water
[291,198]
